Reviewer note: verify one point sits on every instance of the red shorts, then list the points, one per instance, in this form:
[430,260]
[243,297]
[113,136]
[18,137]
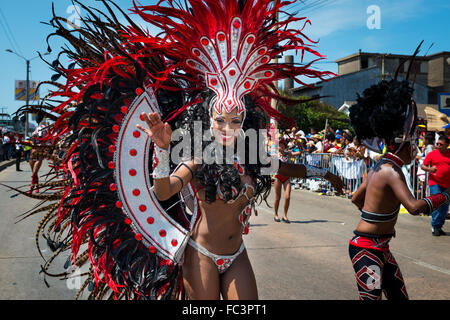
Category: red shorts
[283,179]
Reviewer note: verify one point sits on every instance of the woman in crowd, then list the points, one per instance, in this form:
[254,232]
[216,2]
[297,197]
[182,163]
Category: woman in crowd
[282,182]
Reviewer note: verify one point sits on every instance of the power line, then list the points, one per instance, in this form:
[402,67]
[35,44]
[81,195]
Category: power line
[310,6]
[329,2]
[9,33]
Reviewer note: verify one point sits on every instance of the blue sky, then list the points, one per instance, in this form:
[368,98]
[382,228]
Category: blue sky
[339,25]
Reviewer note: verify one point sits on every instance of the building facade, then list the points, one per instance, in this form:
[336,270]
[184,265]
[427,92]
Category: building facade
[361,70]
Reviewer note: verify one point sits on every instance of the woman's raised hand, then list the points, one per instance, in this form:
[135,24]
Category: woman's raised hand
[158,131]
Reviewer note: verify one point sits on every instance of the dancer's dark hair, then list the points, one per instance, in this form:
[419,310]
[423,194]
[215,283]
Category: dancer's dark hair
[381,110]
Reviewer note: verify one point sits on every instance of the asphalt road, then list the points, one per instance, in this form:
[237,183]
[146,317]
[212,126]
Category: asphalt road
[305,260]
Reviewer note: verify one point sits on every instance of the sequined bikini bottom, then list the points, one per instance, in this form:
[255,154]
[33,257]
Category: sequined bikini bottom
[222,262]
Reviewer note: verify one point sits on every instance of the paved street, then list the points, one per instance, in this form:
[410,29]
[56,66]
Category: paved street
[305,260]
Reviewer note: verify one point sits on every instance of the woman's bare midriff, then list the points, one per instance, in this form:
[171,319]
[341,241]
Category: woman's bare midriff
[218,228]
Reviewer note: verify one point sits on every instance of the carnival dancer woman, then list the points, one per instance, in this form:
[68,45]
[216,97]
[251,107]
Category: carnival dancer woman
[216,262]
[150,227]
[280,183]
[385,113]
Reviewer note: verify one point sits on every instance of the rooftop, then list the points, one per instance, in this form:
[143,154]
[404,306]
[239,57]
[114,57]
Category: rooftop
[391,55]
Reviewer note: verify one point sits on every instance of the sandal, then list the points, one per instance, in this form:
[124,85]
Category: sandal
[285,220]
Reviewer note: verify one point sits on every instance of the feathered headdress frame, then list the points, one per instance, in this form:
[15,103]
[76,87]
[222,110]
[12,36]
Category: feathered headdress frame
[228,45]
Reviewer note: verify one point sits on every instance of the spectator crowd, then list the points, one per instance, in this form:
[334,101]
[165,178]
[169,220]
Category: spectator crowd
[344,145]
[343,142]
[12,147]
[338,142]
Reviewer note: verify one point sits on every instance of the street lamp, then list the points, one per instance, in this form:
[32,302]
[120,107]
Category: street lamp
[27,83]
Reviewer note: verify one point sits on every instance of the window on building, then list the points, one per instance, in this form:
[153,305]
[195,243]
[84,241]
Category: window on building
[364,62]
[432,97]
[424,67]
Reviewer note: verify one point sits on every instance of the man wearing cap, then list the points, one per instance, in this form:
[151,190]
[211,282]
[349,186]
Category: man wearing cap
[437,163]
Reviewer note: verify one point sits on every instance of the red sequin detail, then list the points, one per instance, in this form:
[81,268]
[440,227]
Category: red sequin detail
[136,133]
[142,208]
[133,152]
[136,192]
[163,233]
[152,249]
[150,220]
[138,237]
[174,242]
[132,172]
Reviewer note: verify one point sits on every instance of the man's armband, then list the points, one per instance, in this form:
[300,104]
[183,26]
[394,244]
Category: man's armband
[437,200]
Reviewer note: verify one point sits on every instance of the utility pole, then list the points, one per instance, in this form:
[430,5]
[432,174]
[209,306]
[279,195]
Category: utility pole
[274,103]
[27,97]
[288,82]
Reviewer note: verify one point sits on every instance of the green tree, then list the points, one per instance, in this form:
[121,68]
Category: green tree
[314,114]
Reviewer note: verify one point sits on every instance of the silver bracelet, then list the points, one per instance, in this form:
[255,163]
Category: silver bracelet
[312,171]
[161,167]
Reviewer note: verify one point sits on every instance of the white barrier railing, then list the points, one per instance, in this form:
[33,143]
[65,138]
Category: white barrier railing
[354,171]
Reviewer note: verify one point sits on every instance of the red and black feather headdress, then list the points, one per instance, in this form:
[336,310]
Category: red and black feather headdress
[228,46]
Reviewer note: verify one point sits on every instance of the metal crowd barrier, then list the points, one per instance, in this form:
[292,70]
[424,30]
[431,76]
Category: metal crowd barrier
[353,173]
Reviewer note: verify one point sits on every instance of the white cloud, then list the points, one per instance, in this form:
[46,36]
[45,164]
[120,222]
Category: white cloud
[344,15]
